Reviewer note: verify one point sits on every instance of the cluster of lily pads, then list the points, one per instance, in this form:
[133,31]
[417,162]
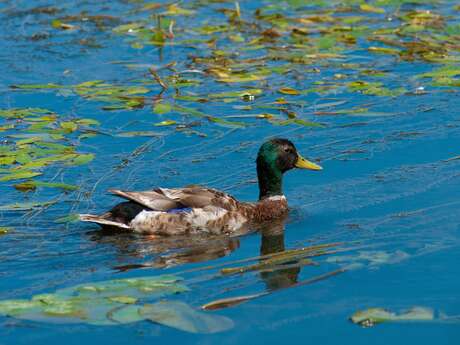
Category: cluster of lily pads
[116,302]
[35,138]
[283,51]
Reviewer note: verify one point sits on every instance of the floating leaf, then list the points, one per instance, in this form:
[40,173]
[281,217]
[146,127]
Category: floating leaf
[128,28]
[288,91]
[26,206]
[165,123]
[7,160]
[175,10]
[4,230]
[126,314]
[181,316]
[31,185]
[369,8]
[87,122]
[162,108]
[197,113]
[229,302]
[239,78]
[375,88]
[80,159]
[123,299]
[20,175]
[71,218]
[242,93]
[57,24]
[384,50]
[36,86]
[104,303]
[16,307]
[373,316]
[132,134]
[69,126]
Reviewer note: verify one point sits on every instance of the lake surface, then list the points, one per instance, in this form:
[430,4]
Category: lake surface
[134,95]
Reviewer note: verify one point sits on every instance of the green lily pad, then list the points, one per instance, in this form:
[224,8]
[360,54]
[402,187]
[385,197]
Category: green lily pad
[373,316]
[71,218]
[101,303]
[16,307]
[20,175]
[26,206]
[126,314]
[31,185]
[162,108]
[181,316]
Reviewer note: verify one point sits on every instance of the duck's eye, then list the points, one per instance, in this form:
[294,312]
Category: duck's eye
[287,150]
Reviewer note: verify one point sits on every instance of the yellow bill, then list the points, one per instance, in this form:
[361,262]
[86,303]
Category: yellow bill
[303,163]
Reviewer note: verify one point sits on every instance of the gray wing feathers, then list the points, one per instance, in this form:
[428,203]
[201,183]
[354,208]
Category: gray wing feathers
[151,199]
[164,199]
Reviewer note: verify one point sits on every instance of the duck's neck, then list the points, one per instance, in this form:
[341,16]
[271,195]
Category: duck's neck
[270,180]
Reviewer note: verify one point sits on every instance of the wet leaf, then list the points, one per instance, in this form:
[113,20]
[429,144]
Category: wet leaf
[181,316]
[384,50]
[31,185]
[126,314]
[15,307]
[375,89]
[175,10]
[26,206]
[128,28]
[57,24]
[230,302]
[369,8]
[80,159]
[123,299]
[288,91]
[132,134]
[69,126]
[242,93]
[20,175]
[36,86]
[4,230]
[162,108]
[373,316]
[104,303]
[71,218]
[165,123]
[444,76]
[239,78]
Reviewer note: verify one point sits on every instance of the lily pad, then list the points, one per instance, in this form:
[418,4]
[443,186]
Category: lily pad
[103,303]
[373,316]
[181,316]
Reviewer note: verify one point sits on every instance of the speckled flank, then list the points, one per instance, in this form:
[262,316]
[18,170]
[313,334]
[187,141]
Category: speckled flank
[210,219]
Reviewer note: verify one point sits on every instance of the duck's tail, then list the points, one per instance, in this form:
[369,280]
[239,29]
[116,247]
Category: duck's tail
[103,220]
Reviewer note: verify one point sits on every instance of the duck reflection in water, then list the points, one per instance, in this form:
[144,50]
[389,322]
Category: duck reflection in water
[166,251]
[272,241]
[179,250]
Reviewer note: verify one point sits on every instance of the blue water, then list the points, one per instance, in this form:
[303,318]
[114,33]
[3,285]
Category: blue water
[388,186]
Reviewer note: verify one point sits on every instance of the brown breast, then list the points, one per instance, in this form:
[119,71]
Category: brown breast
[267,209]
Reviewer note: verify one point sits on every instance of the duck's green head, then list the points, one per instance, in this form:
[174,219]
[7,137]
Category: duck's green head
[275,157]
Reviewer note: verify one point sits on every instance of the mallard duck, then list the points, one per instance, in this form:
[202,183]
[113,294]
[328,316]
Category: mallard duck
[197,209]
